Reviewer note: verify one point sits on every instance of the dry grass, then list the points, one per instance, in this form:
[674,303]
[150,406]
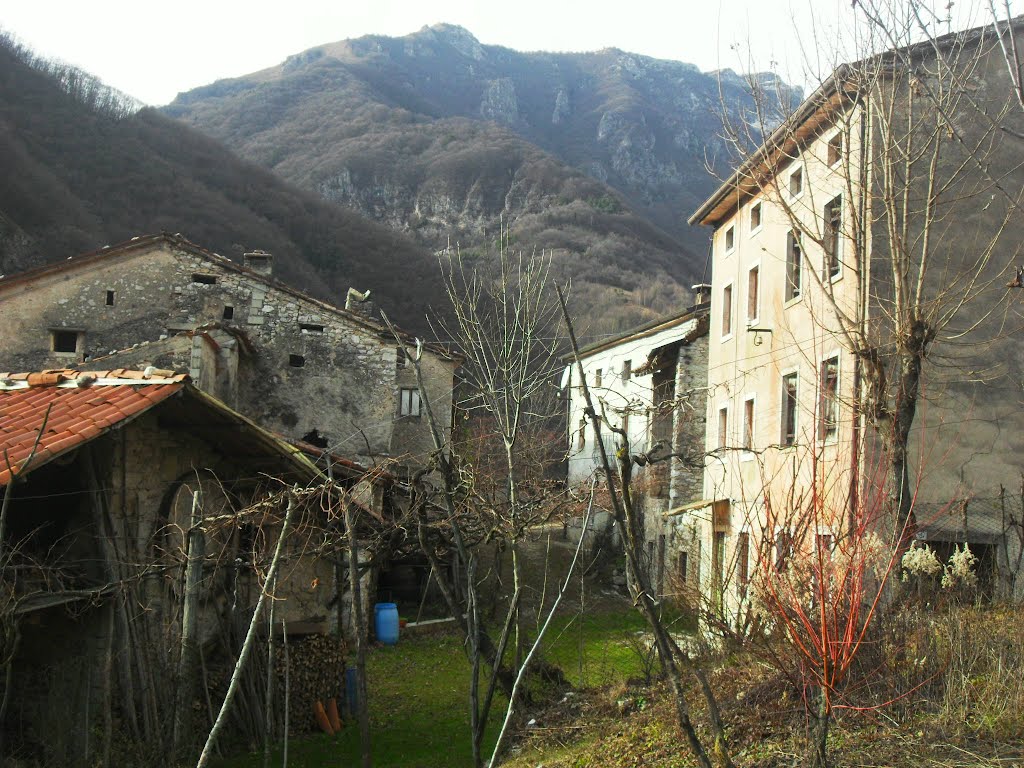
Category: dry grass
[961,707]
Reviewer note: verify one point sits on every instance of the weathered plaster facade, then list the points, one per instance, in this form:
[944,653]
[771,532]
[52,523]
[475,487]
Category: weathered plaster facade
[651,382]
[784,382]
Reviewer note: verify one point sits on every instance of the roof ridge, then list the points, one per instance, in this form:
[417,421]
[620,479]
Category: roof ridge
[73,377]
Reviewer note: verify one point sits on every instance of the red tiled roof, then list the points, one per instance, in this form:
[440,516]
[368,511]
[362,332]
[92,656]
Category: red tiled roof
[82,405]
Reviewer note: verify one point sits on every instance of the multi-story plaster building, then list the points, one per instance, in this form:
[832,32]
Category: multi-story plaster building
[805,296]
[650,382]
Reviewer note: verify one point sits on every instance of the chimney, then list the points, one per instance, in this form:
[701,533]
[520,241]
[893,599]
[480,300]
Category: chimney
[359,301]
[259,261]
[701,294]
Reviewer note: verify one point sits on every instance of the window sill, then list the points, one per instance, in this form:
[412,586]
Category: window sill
[746,455]
[793,301]
[726,337]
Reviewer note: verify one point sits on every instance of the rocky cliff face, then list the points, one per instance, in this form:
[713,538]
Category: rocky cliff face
[597,156]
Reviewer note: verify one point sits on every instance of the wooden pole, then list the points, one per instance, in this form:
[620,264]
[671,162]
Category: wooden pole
[188,661]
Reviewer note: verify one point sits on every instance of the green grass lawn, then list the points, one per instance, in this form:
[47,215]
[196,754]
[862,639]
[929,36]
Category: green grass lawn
[419,699]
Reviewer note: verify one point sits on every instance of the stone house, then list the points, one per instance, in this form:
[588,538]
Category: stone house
[805,298]
[294,364]
[651,382]
[102,471]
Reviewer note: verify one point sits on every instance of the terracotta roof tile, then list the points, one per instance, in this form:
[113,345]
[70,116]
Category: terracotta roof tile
[77,414]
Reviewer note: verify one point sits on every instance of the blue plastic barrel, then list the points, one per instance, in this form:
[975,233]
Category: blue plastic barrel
[385,622]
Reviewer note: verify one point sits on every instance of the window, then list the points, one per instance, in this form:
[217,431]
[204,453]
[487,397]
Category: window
[835,148]
[65,342]
[409,402]
[202,279]
[627,370]
[730,238]
[833,220]
[683,566]
[718,567]
[726,311]
[743,558]
[581,437]
[796,182]
[829,405]
[789,405]
[748,424]
[311,327]
[597,377]
[755,217]
[793,258]
[229,312]
[723,427]
[296,361]
[401,358]
[753,277]
[110,298]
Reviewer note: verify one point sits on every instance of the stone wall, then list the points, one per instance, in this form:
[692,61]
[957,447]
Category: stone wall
[306,365]
[689,420]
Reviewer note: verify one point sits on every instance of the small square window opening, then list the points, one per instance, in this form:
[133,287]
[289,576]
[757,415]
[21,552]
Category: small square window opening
[229,312]
[296,361]
[110,298]
[65,342]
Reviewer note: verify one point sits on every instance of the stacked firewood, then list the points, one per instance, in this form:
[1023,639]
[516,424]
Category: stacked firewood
[316,669]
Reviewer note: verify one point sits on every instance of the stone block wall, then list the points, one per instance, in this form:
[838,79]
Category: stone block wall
[308,365]
[689,420]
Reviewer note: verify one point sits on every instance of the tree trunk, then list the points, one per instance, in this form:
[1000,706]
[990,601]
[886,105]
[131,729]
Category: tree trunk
[359,619]
[817,743]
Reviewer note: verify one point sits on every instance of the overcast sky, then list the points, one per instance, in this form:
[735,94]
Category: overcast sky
[154,50]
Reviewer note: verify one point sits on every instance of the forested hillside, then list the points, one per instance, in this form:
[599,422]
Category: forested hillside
[81,172]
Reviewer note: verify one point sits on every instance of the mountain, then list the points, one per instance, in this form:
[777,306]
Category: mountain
[597,157]
[84,167]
